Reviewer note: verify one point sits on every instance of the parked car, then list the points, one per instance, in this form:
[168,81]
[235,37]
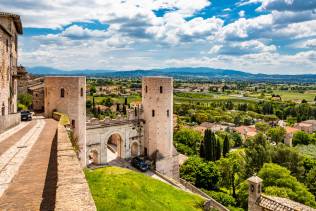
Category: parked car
[139,164]
[26,116]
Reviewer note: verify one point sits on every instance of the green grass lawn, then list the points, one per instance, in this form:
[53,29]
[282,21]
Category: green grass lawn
[293,96]
[115,188]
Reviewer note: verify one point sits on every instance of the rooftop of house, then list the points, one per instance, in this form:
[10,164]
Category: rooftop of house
[291,129]
[278,203]
[16,19]
[313,122]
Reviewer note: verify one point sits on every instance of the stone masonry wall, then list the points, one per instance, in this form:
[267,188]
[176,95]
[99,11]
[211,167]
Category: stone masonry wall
[72,189]
[9,121]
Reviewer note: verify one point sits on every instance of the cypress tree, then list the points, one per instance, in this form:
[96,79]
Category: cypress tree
[202,151]
[226,146]
[124,110]
[208,147]
[217,150]
[125,102]
[214,145]
[117,107]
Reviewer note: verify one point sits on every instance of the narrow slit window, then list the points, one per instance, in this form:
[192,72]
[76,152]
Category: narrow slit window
[62,92]
[146,89]
[81,92]
[168,113]
[153,113]
[161,89]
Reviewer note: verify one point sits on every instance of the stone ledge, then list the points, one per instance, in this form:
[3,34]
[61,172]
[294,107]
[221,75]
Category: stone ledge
[72,192]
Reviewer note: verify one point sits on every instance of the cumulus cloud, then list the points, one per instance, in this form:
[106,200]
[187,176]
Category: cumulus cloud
[131,34]
[242,48]
[289,5]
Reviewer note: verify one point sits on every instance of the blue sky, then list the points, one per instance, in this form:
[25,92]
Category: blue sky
[259,36]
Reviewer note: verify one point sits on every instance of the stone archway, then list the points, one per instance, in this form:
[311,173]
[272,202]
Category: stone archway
[94,157]
[114,147]
[134,149]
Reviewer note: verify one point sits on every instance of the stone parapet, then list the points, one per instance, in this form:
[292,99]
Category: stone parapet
[9,121]
[210,203]
[72,188]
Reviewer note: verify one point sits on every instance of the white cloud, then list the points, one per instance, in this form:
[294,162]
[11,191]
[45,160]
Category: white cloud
[242,48]
[241,13]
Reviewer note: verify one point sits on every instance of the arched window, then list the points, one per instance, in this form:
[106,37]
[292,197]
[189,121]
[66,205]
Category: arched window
[62,92]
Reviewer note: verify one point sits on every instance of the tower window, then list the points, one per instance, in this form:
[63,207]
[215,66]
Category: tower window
[146,89]
[62,92]
[81,92]
[73,123]
[168,113]
[7,45]
[161,89]
[153,113]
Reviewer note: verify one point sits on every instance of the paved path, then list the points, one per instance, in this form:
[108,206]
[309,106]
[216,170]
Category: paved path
[27,168]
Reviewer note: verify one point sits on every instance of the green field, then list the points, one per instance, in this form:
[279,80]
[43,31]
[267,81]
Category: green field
[293,96]
[116,188]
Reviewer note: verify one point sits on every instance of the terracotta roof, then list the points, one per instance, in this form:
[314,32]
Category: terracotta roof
[302,124]
[16,19]
[245,129]
[291,129]
[278,203]
[313,122]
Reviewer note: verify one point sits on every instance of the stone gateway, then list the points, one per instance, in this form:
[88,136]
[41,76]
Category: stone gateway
[147,130]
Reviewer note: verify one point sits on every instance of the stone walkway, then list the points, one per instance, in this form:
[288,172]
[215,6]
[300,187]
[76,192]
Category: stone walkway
[27,168]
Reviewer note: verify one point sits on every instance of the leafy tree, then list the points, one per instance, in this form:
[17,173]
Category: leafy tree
[258,152]
[301,137]
[25,99]
[311,180]
[88,104]
[202,174]
[107,102]
[93,90]
[262,127]
[237,139]
[231,171]
[281,182]
[226,146]
[189,138]
[223,198]
[289,158]
[277,134]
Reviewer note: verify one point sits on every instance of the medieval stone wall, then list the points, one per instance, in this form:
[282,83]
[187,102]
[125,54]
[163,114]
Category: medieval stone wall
[8,66]
[68,95]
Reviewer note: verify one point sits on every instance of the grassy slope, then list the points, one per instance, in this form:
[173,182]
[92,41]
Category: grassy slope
[116,188]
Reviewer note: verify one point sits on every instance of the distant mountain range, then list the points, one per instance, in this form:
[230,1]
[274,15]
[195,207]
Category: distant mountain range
[199,73]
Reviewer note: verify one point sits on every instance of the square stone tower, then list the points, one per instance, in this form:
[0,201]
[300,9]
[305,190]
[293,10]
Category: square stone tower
[157,101]
[68,95]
